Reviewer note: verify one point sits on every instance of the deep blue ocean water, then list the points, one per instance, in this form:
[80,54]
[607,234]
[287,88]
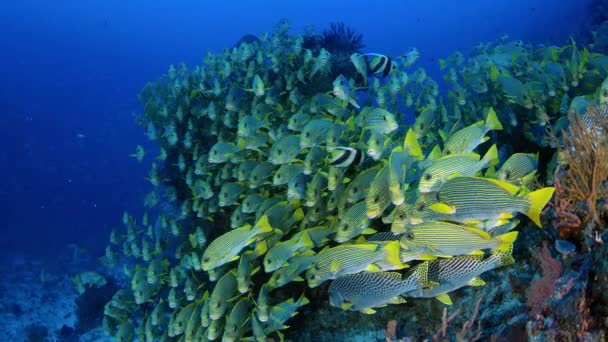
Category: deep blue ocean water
[70,72]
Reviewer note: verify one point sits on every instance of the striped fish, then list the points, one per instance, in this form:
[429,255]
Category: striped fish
[335,262]
[468,138]
[353,223]
[227,247]
[462,165]
[378,198]
[518,167]
[432,239]
[367,290]
[473,199]
[344,157]
[454,273]
[381,64]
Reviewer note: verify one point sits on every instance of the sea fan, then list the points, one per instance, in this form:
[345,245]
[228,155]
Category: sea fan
[341,39]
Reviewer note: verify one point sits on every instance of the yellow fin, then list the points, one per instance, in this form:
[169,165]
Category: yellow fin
[346,306]
[263,225]
[492,121]
[368,311]
[477,252]
[504,217]
[397,300]
[411,145]
[392,254]
[491,157]
[373,268]
[261,248]
[369,231]
[538,199]
[442,208]
[476,281]
[479,232]
[508,187]
[435,153]
[444,298]
[506,241]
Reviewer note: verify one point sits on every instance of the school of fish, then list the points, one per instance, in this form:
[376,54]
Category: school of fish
[268,176]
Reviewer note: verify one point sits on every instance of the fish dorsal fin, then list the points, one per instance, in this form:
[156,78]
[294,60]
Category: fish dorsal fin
[508,187]
[477,231]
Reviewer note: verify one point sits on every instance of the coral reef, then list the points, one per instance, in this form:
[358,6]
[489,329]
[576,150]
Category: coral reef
[280,159]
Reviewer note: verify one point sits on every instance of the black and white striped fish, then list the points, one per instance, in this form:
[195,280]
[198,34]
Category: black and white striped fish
[381,64]
[345,156]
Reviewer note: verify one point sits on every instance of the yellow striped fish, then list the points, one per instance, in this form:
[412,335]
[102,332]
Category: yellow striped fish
[353,223]
[519,169]
[455,165]
[468,138]
[227,247]
[335,262]
[378,198]
[473,199]
[432,239]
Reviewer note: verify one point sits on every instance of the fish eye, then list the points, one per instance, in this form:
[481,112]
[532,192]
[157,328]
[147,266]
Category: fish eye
[355,189]
[279,151]
[420,207]
[384,117]
[401,216]
[307,134]
[345,227]
[507,175]
[341,82]
[375,199]
[206,259]
[428,176]
[448,152]
[410,236]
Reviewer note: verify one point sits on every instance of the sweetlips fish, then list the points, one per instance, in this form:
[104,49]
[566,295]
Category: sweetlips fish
[368,290]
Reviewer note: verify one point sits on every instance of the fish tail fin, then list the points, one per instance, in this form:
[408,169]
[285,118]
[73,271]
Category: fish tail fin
[411,145]
[503,257]
[393,257]
[305,240]
[491,157]
[537,201]
[298,215]
[303,300]
[261,248]
[263,225]
[506,240]
[492,122]
[421,276]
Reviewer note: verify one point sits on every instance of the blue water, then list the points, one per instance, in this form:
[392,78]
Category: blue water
[70,72]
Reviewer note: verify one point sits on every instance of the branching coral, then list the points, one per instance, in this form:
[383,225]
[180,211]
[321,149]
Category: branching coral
[581,181]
